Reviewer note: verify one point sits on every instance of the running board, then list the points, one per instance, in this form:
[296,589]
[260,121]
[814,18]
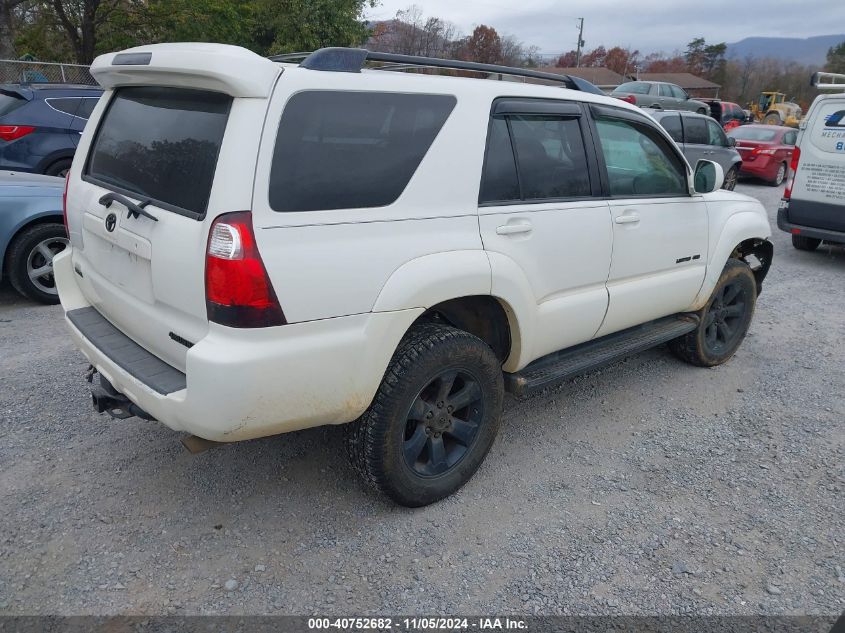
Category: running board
[559,366]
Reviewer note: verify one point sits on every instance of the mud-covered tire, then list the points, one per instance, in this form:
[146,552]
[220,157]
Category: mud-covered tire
[803,243]
[29,252]
[724,321]
[409,409]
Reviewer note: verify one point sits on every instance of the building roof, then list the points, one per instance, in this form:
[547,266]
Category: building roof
[687,81]
[597,76]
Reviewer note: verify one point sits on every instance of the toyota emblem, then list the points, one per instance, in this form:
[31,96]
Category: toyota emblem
[111,222]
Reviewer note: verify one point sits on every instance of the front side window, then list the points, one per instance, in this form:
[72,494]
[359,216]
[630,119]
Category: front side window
[348,150]
[666,90]
[161,144]
[717,136]
[789,138]
[678,92]
[499,182]
[639,161]
[695,131]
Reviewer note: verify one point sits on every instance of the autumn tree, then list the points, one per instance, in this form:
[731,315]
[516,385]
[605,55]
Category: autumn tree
[595,58]
[662,63]
[621,60]
[484,45]
[836,59]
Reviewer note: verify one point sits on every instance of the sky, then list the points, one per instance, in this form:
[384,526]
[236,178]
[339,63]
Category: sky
[647,25]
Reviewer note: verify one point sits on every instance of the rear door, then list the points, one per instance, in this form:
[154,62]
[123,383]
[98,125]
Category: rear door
[159,148]
[541,207]
[818,190]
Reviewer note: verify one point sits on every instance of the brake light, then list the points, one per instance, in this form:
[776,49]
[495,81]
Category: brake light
[629,99]
[64,203]
[793,167]
[238,292]
[768,152]
[14,132]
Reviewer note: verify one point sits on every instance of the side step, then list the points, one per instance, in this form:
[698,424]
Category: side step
[559,366]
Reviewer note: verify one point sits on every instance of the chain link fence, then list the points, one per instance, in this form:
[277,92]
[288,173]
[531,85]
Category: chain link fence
[15,71]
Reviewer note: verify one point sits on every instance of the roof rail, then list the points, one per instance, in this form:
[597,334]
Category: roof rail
[828,81]
[352,60]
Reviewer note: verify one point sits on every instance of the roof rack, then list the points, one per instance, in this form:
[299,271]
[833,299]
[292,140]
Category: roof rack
[352,60]
[828,81]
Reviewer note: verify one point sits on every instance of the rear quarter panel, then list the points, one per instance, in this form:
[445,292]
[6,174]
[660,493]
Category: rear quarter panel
[19,209]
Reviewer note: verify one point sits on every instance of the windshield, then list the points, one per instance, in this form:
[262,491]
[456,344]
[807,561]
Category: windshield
[754,134]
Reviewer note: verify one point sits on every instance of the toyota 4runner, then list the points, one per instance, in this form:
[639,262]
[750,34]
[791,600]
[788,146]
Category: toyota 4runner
[260,246]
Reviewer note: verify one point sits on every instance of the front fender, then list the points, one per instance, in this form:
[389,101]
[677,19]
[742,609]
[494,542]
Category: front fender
[736,228]
[431,279]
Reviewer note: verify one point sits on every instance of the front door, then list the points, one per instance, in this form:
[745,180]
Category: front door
[659,229]
[541,217]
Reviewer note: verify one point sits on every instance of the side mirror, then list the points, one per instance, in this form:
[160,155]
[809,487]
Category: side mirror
[731,141]
[708,177]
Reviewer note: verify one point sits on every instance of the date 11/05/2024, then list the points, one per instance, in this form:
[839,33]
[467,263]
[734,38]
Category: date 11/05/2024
[417,624]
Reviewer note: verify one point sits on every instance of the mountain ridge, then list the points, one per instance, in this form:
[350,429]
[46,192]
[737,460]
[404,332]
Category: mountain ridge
[810,51]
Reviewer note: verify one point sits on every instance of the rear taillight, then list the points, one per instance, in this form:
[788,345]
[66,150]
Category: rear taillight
[64,203]
[767,152]
[629,99]
[793,167]
[14,132]
[238,292]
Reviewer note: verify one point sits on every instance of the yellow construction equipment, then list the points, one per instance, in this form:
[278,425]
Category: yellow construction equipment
[772,108]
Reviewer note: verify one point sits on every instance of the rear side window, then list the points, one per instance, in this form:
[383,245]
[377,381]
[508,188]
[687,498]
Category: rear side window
[499,182]
[86,107]
[67,105]
[695,131]
[347,150]
[161,144]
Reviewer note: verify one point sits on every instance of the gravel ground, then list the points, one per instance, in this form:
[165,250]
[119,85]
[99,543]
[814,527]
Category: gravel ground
[650,487]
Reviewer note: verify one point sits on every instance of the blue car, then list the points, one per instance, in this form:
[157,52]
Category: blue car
[40,125]
[32,232]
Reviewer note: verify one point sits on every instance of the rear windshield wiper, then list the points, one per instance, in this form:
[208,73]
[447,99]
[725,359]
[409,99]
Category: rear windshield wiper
[135,210]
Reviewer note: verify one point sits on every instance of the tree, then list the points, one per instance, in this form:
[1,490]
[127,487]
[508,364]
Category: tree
[661,63]
[81,20]
[567,60]
[305,25]
[621,60]
[595,58]
[484,45]
[7,28]
[836,59]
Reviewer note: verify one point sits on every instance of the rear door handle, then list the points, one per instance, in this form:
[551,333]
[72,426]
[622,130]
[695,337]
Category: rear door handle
[514,229]
[629,217]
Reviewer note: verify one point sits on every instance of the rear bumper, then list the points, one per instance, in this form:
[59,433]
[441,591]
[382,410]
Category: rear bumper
[762,167]
[242,384]
[808,231]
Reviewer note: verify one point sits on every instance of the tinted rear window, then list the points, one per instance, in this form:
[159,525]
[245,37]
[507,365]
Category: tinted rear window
[162,144]
[9,103]
[346,150]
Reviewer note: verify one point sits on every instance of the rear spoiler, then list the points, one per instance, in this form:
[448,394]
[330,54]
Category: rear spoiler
[223,68]
[828,81]
[18,92]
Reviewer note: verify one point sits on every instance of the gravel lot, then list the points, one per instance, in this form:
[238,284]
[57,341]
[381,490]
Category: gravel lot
[650,487]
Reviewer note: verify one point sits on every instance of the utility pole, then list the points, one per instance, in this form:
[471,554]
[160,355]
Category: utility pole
[580,42]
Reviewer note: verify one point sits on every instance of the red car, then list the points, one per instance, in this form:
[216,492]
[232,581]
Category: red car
[766,150]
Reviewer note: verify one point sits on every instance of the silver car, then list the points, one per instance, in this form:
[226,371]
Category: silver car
[659,95]
[699,136]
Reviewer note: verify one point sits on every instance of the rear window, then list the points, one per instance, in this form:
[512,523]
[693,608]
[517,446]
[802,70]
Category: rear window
[636,87]
[753,134]
[161,144]
[9,103]
[348,150]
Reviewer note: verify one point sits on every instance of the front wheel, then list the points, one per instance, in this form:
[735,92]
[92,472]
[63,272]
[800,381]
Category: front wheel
[433,419]
[805,243]
[724,321]
[730,179]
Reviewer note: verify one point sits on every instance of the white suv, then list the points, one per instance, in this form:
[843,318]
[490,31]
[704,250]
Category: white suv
[259,247]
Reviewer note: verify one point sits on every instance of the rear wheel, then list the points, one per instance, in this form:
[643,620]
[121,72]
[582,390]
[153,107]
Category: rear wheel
[59,168]
[730,179]
[780,176]
[805,243]
[724,321]
[433,419]
[30,261]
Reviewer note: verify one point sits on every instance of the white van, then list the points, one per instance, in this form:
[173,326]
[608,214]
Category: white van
[813,205]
